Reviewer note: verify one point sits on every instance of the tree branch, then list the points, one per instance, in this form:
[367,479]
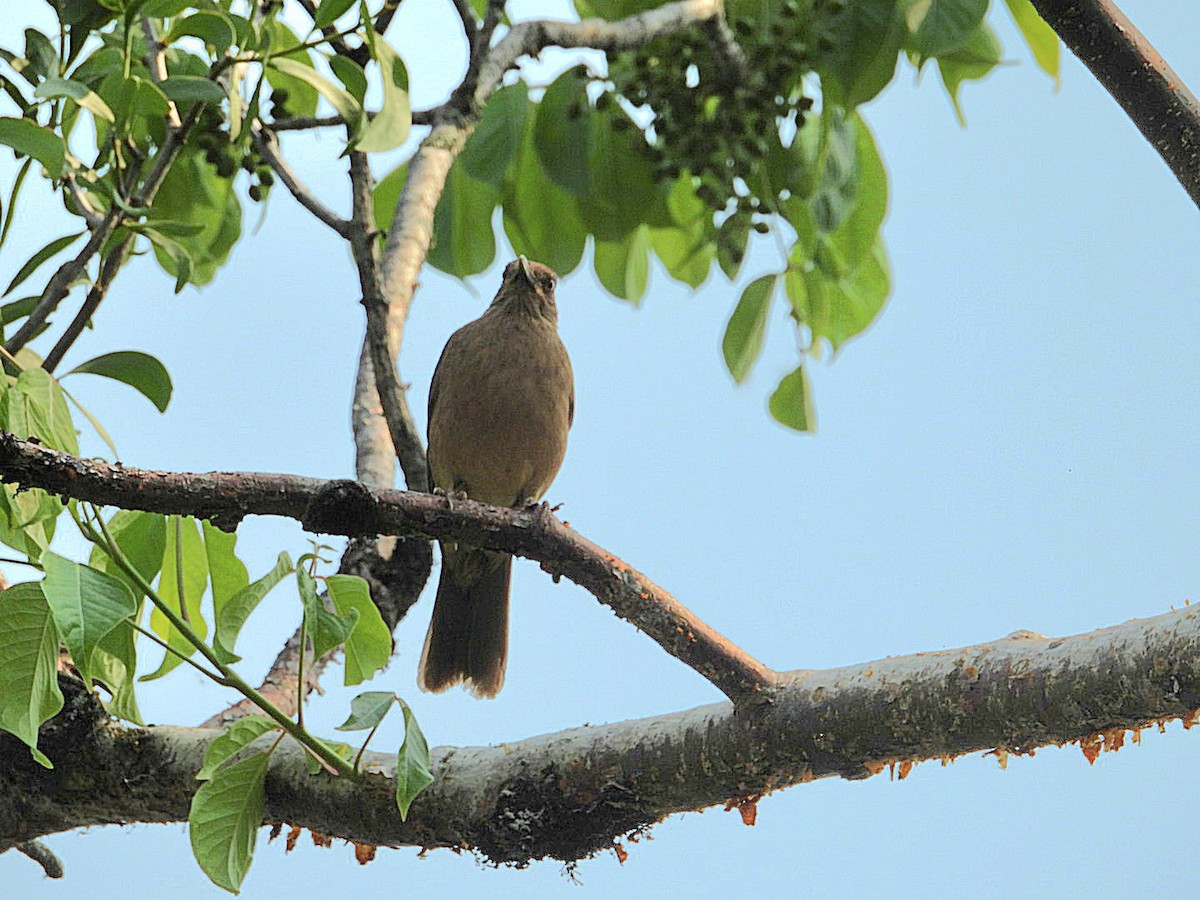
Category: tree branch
[383,336]
[1137,76]
[95,297]
[349,508]
[268,148]
[571,794]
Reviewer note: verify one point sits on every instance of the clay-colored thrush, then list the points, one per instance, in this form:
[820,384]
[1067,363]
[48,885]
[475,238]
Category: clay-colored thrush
[500,404]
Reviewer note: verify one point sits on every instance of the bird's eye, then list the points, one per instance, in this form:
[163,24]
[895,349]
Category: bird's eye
[547,283]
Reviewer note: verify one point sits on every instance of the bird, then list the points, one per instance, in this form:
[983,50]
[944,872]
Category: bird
[501,402]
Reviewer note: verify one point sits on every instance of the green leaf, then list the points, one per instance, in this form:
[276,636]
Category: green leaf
[329,10]
[369,645]
[856,236]
[194,195]
[233,613]
[174,251]
[87,604]
[561,132]
[541,220]
[865,37]
[95,423]
[44,409]
[165,9]
[214,28]
[497,139]
[195,579]
[80,93]
[237,736]
[687,248]
[301,97]
[226,572]
[625,191]
[192,89]
[463,241]
[390,127]
[747,327]
[1040,37]
[837,186]
[341,99]
[791,404]
[141,371]
[351,75]
[367,710]
[142,538]
[938,27]
[34,262]
[29,693]
[325,629]
[973,61]
[114,664]
[731,244]
[387,195]
[12,201]
[224,819]
[412,763]
[623,266]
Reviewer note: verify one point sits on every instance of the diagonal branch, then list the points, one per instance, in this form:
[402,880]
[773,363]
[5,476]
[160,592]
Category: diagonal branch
[268,148]
[1139,79]
[349,508]
[571,794]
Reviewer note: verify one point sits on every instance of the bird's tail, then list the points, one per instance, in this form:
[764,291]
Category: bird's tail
[467,639]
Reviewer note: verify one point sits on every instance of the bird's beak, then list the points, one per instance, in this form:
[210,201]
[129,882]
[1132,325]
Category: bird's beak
[524,265]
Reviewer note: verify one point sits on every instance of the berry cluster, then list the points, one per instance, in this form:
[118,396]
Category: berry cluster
[719,124]
[212,136]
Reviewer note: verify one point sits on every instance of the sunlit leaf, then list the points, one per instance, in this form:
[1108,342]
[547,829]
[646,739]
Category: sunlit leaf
[412,763]
[747,326]
[367,710]
[80,93]
[29,693]
[369,645]
[791,404]
[237,736]
[87,604]
[225,815]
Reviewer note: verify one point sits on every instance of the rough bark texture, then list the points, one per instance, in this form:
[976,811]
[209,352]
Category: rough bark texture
[570,794]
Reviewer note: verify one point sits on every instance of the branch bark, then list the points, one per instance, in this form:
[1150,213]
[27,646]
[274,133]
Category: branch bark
[349,508]
[1139,79]
[571,794]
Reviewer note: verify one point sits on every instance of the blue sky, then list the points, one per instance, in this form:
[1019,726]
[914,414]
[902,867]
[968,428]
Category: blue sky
[1011,446]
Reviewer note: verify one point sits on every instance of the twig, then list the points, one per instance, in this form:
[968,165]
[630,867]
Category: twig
[359,511]
[306,123]
[95,297]
[64,277]
[383,21]
[156,62]
[466,15]
[91,216]
[1137,76]
[43,856]
[268,148]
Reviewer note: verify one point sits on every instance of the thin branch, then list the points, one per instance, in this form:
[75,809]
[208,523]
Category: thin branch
[383,21]
[268,148]
[156,62]
[92,216]
[383,340]
[95,297]
[331,34]
[466,15]
[65,276]
[1139,79]
[570,794]
[306,123]
[349,508]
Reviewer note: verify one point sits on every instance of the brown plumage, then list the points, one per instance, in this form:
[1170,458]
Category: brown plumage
[500,404]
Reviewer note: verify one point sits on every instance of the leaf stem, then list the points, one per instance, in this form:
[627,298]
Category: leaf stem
[229,677]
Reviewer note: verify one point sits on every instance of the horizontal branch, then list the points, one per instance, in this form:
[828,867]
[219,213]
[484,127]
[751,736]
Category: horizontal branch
[1139,79]
[268,148]
[351,509]
[570,794]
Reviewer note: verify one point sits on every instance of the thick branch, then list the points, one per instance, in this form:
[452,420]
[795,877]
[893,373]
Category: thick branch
[348,508]
[1137,76]
[571,794]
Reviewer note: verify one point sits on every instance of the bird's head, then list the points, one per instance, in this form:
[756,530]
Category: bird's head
[528,287]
